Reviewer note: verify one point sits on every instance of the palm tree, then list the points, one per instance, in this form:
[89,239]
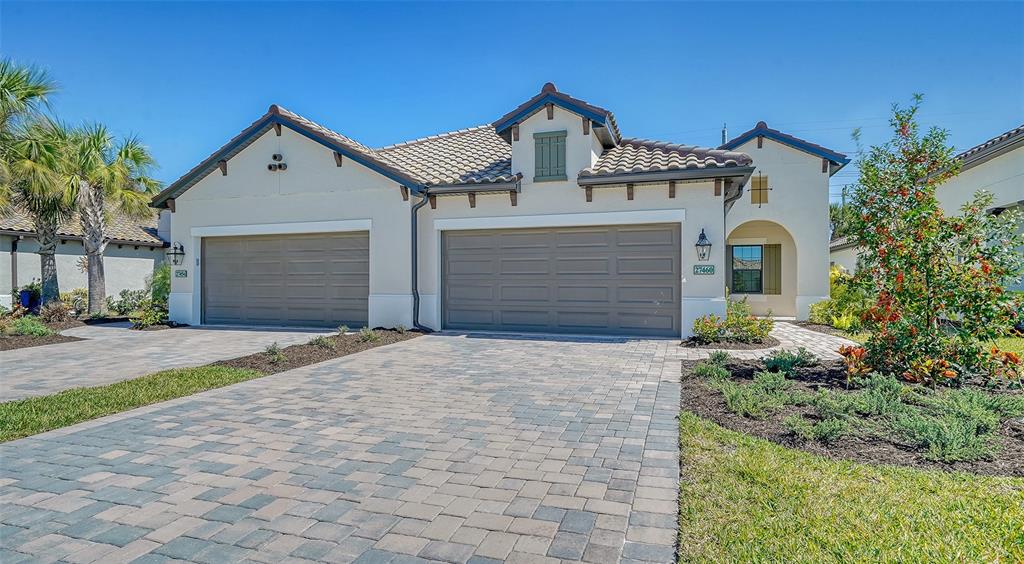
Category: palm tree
[106,175]
[36,161]
[23,90]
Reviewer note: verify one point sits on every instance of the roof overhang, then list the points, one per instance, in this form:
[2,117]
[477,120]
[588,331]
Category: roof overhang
[602,127]
[32,234]
[475,188]
[253,132]
[738,173]
[836,160]
[1012,141]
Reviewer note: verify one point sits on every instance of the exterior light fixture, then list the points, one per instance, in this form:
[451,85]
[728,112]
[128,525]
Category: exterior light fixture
[176,253]
[703,247]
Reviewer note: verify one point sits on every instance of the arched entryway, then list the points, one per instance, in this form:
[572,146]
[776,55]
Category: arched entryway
[761,266]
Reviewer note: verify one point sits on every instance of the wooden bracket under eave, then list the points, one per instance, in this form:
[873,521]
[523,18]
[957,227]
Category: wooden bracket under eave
[337,158]
[223,164]
[277,129]
[551,110]
[824,165]
[586,126]
[629,191]
[433,202]
[590,193]
[472,200]
[170,204]
[718,186]
[515,132]
[671,188]
[513,196]
[405,193]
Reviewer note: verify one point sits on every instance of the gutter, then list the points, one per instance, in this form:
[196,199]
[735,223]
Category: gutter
[662,176]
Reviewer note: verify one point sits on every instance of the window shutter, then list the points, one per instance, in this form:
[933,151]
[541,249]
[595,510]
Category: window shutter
[557,156]
[759,190]
[773,269]
[550,155]
[728,268]
[543,145]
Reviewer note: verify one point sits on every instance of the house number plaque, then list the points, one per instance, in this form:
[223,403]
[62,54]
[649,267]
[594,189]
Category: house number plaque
[703,269]
[181,273]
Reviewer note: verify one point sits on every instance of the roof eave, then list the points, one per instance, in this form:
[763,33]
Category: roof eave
[599,119]
[475,187]
[739,172]
[838,160]
[989,153]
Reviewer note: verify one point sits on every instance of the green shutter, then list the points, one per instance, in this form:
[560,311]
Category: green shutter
[773,269]
[728,268]
[549,147]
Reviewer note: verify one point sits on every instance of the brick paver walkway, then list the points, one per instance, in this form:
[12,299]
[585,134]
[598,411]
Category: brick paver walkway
[443,448]
[112,353]
[790,337]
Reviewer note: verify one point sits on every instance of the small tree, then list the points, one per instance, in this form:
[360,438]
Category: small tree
[938,281]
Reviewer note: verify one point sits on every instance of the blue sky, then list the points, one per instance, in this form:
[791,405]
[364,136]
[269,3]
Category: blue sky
[187,76]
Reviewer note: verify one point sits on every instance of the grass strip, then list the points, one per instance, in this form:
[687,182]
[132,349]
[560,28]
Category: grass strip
[750,500]
[29,416]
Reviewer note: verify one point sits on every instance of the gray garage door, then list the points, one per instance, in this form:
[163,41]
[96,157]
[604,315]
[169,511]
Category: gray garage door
[608,279]
[315,280]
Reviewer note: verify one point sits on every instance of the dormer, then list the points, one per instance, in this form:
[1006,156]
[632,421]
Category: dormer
[554,136]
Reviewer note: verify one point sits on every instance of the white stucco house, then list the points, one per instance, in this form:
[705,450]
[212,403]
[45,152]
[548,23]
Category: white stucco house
[546,220]
[136,248]
[997,166]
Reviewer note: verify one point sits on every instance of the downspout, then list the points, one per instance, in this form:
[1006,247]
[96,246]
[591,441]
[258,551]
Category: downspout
[424,198]
[14,267]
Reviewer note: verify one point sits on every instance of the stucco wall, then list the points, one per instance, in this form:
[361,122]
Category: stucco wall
[846,258]
[798,202]
[1003,176]
[313,189]
[768,233]
[125,266]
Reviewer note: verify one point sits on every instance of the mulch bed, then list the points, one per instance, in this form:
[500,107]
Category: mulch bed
[708,403]
[768,343]
[302,355]
[9,343]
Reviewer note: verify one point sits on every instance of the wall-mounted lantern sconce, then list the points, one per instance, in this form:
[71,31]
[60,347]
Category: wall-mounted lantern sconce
[176,253]
[703,247]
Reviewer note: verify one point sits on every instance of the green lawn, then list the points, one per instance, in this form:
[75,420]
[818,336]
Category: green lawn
[746,499]
[1013,344]
[21,418]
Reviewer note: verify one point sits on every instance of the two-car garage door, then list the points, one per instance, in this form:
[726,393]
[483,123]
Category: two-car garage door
[308,280]
[603,279]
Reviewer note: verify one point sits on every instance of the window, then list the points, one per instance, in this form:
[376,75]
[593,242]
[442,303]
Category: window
[550,156]
[747,269]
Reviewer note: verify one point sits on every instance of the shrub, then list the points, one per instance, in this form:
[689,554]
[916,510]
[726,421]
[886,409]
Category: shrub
[708,329]
[711,371]
[857,367]
[322,342]
[30,325]
[55,312]
[401,329]
[159,284]
[739,325]
[77,299]
[6,325]
[148,314]
[944,438]
[275,353]
[368,335]
[844,309]
[785,361]
[342,329]
[767,394]
[826,430]
[720,358]
[127,301]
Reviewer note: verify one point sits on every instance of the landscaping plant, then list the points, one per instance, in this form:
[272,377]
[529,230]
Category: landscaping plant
[785,361]
[55,312]
[127,301]
[148,314]
[739,325]
[31,326]
[938,281]
[845,306]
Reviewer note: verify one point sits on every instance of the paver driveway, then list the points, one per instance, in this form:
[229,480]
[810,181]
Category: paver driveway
[112,352]
[444,448]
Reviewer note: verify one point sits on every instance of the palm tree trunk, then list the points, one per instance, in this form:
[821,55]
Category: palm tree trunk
[47,237]
[91,211]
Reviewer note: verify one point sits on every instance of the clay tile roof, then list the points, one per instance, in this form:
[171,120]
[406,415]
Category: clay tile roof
[467,156]
[840,243]
[762,130]
[638,155]
[549,91]
[119,228]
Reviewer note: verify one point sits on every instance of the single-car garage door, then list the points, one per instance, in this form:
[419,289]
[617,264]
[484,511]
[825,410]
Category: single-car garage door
[606,279]
[309,280]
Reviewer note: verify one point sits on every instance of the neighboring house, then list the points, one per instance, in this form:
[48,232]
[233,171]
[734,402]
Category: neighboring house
[136,247]
[546,220]
[997,166]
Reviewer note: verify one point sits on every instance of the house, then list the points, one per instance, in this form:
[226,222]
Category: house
[997,165]
[547,219]
[135,249]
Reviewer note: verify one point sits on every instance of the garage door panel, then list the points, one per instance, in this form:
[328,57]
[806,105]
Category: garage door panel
[300,280]
[602,279]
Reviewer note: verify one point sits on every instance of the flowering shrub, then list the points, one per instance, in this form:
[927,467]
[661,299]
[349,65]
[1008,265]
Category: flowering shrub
[739,325]
[937,282]
[856,365]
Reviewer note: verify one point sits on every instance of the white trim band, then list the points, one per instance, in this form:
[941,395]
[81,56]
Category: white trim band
[282,228]
[561,220]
